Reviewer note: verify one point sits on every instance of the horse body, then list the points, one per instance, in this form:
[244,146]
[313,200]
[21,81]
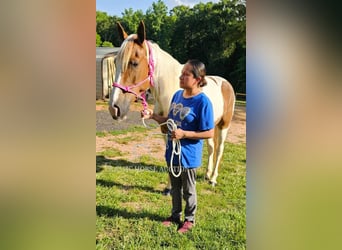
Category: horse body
[131,70]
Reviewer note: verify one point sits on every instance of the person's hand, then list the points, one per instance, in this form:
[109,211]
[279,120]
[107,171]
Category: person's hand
[146,114]
[178,134]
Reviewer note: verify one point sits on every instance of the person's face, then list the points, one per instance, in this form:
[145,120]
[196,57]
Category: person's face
[187,79]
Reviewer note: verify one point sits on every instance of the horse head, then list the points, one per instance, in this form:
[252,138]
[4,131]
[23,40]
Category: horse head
[133,72]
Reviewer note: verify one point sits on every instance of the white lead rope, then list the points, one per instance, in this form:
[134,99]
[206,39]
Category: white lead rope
[176,145]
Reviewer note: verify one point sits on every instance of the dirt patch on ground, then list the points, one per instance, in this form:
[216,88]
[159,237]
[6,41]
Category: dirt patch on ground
[133,145]
[237,130]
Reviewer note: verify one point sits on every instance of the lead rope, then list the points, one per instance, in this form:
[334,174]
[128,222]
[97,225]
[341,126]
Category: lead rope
[176,147]
[146,112]
[176,144]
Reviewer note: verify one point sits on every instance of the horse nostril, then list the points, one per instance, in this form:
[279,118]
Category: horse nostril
[114,111]
[117,109]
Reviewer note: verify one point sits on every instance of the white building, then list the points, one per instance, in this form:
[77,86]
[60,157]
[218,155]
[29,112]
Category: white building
[105,71]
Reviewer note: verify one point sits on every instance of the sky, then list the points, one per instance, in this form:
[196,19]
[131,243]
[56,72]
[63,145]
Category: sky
[116,7]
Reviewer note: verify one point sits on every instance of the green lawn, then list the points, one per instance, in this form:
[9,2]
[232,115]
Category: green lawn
[130,207]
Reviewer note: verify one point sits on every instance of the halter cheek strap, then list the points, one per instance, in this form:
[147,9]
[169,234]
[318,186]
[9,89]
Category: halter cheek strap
[128,89]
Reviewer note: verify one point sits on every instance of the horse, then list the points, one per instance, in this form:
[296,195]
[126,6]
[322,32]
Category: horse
[142,65]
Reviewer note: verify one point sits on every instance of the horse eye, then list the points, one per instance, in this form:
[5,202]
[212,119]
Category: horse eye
[134,64]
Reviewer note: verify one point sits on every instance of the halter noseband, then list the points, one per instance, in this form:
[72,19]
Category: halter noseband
[128,89]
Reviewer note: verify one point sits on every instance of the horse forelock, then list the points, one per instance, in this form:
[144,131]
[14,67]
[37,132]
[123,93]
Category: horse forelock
[125,52]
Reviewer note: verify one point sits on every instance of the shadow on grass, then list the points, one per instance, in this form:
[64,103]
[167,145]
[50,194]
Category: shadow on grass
[102,161]
[115,212]
[105,183]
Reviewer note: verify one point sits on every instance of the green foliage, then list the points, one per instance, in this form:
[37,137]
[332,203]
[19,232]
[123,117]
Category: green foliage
[103,24]
[106,27]
[98,40]
[131,20]
[214,33]
[156,20]
[107,44]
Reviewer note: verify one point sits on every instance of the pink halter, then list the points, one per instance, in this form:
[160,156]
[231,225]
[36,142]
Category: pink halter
[149,77]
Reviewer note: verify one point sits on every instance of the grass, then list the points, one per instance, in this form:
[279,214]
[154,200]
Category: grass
[129,139]
[111,152]
[134,128]
[130,207]
[102,102]
[240,103]
[101,134]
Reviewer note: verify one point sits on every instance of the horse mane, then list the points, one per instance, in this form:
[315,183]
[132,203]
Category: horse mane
[125,51]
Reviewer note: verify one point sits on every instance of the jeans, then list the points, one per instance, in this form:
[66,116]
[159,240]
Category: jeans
[184,185]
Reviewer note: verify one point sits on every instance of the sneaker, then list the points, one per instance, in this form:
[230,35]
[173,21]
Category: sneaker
[170,220]
[187,225]
[166,191]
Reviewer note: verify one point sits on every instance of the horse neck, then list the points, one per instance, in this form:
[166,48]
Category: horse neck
[166,79]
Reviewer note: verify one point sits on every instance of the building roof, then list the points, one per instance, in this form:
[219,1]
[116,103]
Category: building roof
[103,51]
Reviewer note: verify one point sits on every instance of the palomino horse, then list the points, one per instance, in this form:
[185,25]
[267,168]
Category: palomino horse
[142,65]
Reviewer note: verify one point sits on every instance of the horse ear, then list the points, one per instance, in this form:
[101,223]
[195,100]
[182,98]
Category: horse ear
[141,32]
[122,33]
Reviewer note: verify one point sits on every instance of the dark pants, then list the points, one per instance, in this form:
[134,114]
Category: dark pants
[184,185]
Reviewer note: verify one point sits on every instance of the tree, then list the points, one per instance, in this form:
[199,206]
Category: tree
[155,19]
[215,34]
[107,44]
[131,19]
[106,27]
[102,25]
[98,40]
[178,38]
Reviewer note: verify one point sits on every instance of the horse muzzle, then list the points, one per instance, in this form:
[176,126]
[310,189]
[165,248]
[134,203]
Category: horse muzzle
[115,112]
